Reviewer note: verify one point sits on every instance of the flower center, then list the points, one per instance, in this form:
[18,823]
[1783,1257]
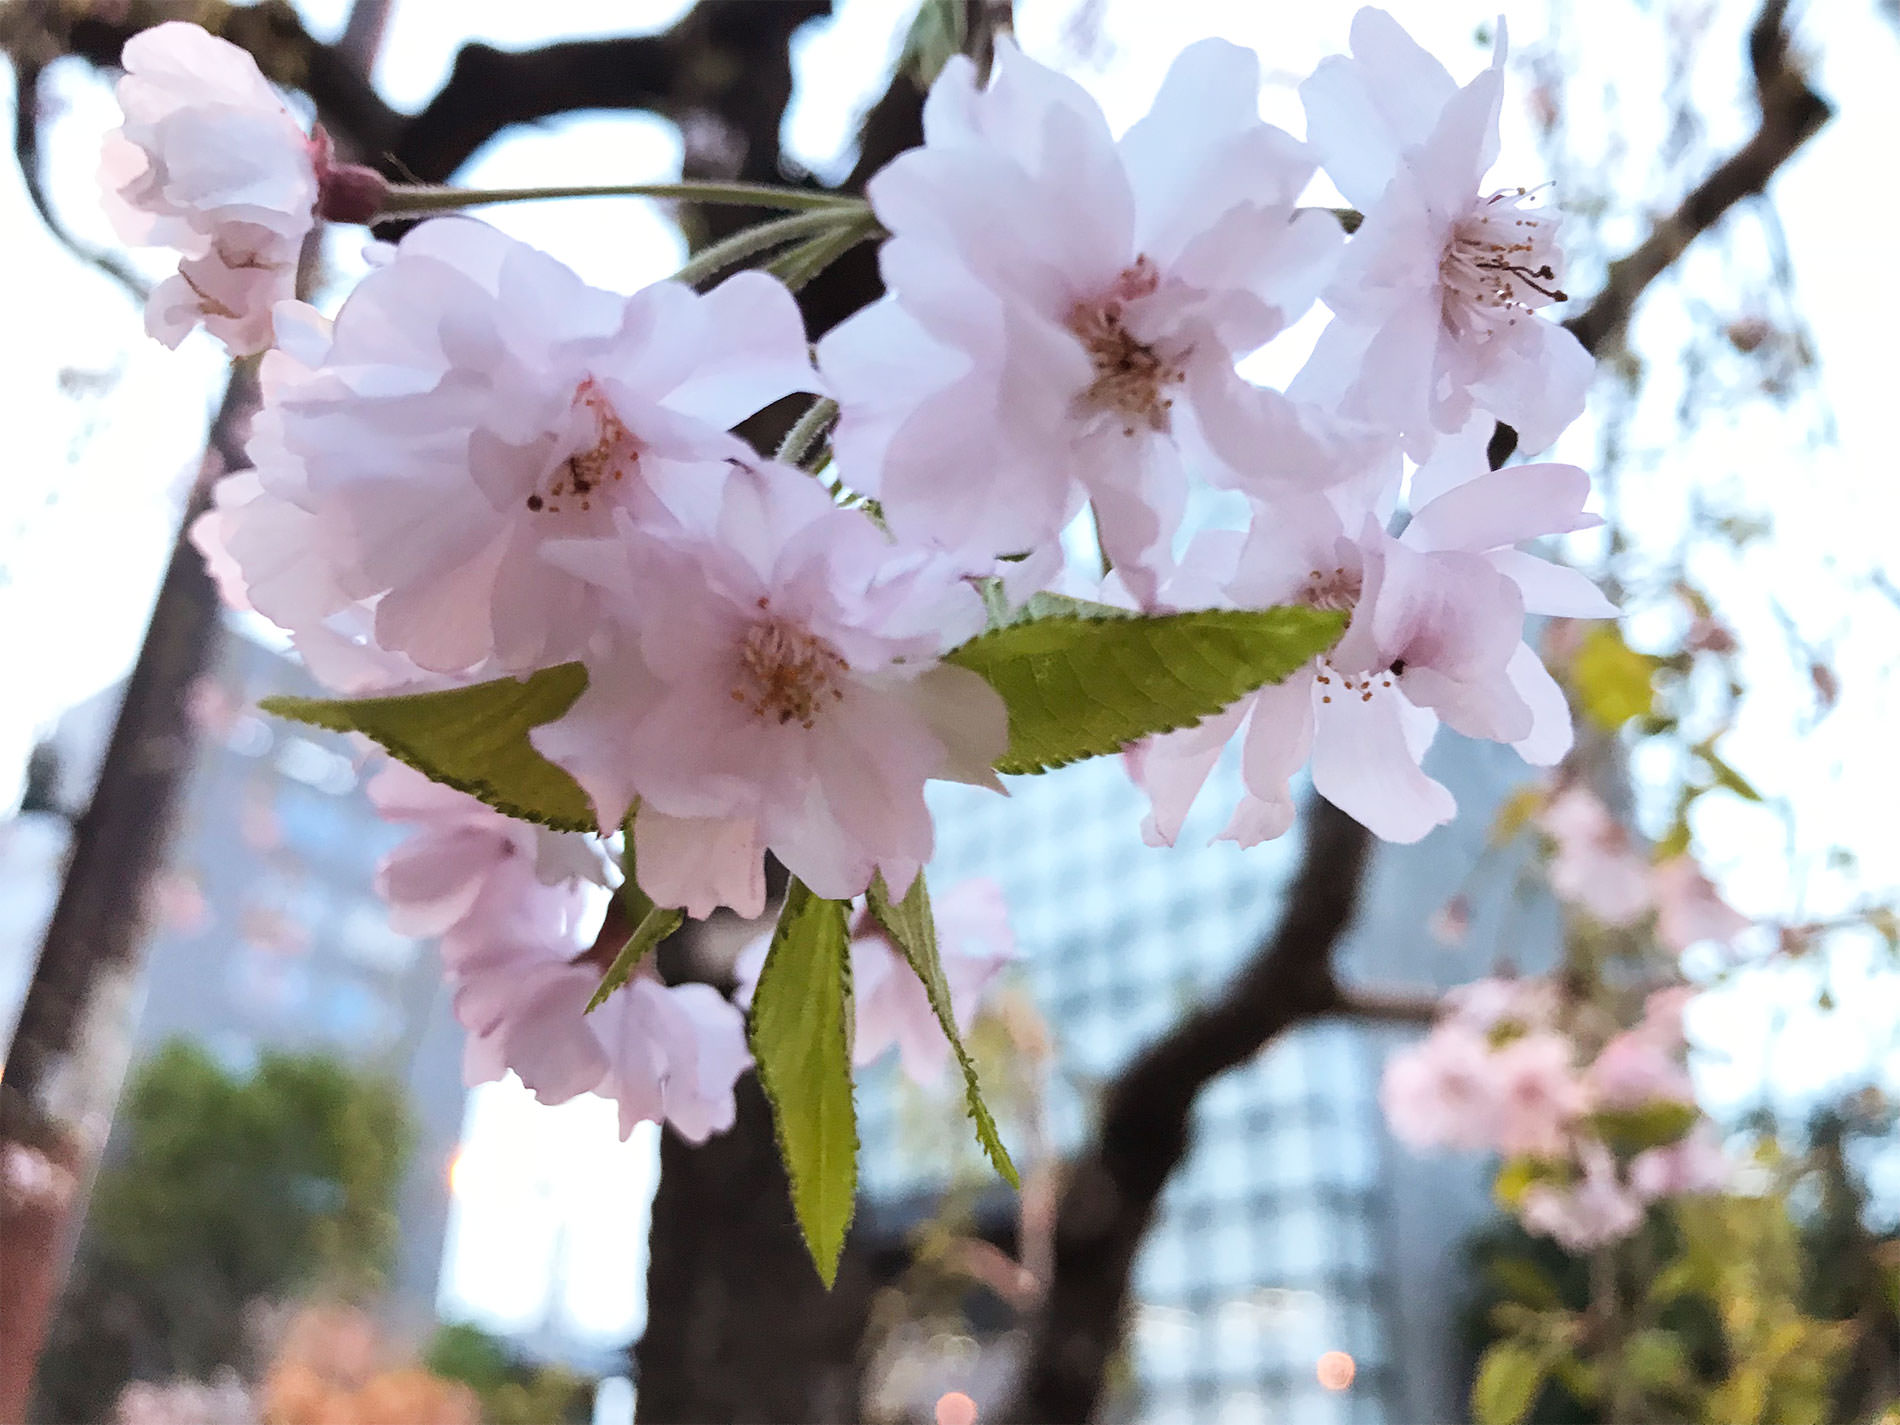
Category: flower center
[786,673]
[1500,264]
[1130,375]
[574,482]
[1336,591]
[1331,681]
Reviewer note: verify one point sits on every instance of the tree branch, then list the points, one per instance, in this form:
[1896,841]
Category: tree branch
[1110,1196]
[1791,114]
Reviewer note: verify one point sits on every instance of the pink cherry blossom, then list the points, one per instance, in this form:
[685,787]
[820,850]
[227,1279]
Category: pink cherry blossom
[1538,1094]
[1494,1003]
[663,1053]
[1688,908]
[1592,1212]
[477,401]
[1439,1093]
[1064,310]
[1435,302]
[465,855]
[1663,1014]
[1694,1165]
[1436,634]
[209,161]
[772,683]
[1635,1068]
[974,944]
[1594,865]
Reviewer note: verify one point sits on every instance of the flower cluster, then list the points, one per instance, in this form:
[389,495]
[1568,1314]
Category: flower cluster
[1598,1135]
[484,468]
[508,901]
[1596,868]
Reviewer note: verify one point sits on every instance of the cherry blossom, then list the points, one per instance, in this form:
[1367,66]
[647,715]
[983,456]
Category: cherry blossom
[1691,1166]
[1637,1068]
[1594,1211]
[1436,634]
[1688,908]
[772,683]
[1436,299]
[465,855]
[1538,1094]
[1594,865]
[510,902]
[974,944]
[478,401]
[1439,1093]
[663,1053]
[1065,310]
[209,161]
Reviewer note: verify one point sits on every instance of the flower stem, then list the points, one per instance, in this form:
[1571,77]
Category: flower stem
[804,437]
[808,259]
[414,201]
[710,261]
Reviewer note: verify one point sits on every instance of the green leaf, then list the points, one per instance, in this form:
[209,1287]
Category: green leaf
[474,739]
[1522,1279]
[1657,1359]
[913,929]
[800,1028]
[1510,1374]
[1655,1124]
[1613,682]
[1085,686]
[654,926]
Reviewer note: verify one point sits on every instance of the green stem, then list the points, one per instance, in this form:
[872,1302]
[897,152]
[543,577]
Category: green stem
[710,261]
[810,429]
[414,201]
[807,260]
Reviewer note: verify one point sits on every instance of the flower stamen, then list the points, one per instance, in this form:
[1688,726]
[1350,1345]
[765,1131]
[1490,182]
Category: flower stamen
[787,673]
[1130,375]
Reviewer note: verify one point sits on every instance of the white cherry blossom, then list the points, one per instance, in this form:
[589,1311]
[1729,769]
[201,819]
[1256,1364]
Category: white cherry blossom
[773,683]
[209,161]
[478,401]
[1436,301]
[1065,310]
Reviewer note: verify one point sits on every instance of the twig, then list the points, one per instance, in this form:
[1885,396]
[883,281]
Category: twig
[1791,114]
[26,151]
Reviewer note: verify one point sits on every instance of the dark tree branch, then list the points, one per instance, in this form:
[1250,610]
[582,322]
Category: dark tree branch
[1110,1195]
[1791,114]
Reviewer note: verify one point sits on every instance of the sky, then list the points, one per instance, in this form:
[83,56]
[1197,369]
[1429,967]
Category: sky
[104,427]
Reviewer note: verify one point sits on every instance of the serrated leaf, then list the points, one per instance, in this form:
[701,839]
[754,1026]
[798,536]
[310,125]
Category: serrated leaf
[658,923]
[912,927]
[799,1029]
[1510,1375]
[1086,686]
[474,739]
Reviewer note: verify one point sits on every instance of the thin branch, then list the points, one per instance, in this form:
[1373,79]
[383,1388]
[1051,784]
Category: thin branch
[26,152]
[1389,1006]
[1791,114]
